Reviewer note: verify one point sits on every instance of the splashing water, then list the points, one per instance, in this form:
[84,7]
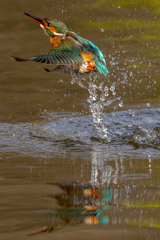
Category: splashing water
[98,94]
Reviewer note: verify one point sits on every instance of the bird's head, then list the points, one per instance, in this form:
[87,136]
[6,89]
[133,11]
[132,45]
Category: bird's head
[51,27]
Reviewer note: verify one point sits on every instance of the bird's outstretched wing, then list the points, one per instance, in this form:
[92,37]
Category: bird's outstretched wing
[66,53]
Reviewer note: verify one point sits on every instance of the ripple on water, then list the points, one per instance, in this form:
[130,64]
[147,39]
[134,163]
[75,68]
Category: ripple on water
[65,134]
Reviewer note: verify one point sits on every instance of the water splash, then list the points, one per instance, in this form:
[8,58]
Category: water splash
[98,99]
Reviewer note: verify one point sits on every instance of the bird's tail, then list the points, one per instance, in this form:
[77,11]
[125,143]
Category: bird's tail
[102,68]
[18,59]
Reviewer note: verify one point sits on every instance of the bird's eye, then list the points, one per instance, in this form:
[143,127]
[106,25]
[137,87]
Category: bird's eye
[49,25]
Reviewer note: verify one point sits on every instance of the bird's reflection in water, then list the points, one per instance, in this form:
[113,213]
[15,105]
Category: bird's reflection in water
[80,203]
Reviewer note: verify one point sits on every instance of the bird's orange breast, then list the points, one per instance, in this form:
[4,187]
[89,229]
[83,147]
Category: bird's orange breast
[55,41]
[88,57]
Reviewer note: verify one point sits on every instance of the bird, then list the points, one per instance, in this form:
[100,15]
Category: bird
[76,194]
[72,53]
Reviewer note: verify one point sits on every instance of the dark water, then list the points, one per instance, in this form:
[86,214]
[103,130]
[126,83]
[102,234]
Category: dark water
[67,145]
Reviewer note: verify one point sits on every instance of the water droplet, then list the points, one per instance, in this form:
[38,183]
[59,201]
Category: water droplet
[112,88]
[148,105]
[121,104]
[130,74]
[131,112]
[129,124]
[102,30]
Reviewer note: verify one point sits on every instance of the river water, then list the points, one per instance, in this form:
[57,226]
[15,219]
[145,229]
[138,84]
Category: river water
[68,144]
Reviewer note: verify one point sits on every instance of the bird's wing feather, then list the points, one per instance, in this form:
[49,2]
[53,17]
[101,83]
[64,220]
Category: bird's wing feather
[66,53]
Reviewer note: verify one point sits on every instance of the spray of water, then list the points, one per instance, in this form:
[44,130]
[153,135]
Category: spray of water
[98,99]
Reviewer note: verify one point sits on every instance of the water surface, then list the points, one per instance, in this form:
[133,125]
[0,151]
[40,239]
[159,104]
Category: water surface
[100,131]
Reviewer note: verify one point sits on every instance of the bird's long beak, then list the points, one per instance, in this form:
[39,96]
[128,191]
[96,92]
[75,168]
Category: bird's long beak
[37,19]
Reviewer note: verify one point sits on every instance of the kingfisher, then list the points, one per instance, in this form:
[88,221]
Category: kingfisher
[70,52]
